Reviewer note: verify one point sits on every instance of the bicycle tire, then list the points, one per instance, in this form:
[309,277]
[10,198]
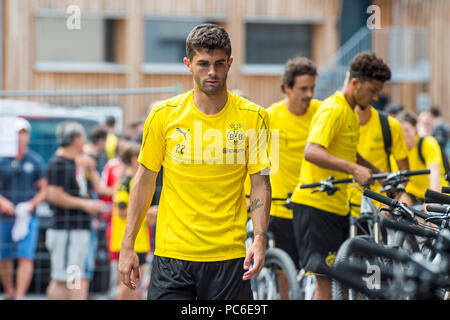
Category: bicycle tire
[343,254]
[275,260]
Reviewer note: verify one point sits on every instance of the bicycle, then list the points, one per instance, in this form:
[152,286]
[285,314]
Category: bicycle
[433,261]
[265,284]
[392,183]
[424,279]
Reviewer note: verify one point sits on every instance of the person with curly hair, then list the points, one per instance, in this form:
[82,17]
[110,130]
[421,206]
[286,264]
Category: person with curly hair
[321,221]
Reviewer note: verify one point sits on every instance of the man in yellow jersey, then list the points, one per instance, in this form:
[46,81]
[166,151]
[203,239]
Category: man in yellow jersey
[430,158]
[111,139]
[371,147]
[205,140]
[320,221]
[292,117]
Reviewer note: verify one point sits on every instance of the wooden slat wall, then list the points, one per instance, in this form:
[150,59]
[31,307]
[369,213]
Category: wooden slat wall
[19,43]
[434,16]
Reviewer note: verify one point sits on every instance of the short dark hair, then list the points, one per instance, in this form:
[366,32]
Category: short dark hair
[110,121]
[407,116]
[366,66]
[131,150]
[97,133]
[435,112]
[207,36]
[295,67]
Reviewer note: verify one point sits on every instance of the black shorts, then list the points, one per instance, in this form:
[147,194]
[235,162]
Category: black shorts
[174,279]
[142,258]
[283,233]
[318,231]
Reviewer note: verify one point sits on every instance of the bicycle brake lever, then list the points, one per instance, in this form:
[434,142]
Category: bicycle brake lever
[332,191]
[386,188]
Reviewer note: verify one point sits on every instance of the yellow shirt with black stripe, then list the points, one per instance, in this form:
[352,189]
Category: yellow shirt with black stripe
[121,199]
[293,132]
[335,126]
[371,147]
[202,212]
[432,155]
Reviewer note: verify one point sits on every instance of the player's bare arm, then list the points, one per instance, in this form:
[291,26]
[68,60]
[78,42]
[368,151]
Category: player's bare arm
[260,200]
[319,156]
[140,199]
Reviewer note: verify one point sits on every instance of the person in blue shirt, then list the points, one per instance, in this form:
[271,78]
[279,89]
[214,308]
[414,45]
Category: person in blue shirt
[23,186]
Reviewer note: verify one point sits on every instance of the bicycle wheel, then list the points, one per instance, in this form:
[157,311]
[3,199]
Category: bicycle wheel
[345,253]
[266,284]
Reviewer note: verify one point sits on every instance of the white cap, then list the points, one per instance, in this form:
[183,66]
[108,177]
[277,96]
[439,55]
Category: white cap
[21,124]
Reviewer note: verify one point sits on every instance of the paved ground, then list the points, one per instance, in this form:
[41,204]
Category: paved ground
[44,297]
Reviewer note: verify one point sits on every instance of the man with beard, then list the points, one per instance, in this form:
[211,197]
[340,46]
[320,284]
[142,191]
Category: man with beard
[204,141]
[292,117]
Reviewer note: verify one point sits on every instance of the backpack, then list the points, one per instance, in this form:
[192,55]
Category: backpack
[443,155]
[387,137]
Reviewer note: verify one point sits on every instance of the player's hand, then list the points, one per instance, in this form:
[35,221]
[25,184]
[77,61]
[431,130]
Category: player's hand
[255,253]
[7,207]
[362,175]
[129,267]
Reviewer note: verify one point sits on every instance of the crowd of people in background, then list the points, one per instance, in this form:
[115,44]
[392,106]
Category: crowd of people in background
[86,183]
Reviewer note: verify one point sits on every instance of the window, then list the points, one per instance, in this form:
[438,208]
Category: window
[274,43]
[94,44]
[165,43]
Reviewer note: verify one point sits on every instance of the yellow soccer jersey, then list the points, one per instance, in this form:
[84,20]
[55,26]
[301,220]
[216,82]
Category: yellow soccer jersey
[293,132]
[371,147]
[111,145]
[432,155]
[335,126]
[121,198]
[202,212]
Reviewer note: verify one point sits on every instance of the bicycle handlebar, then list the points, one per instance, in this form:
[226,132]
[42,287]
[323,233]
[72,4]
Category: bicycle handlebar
[319,266]
[376,176]
[438,208]
[433,196]
[414,172]
[381,198]
[330,180]
[390,224]
[375,249]
[443,223]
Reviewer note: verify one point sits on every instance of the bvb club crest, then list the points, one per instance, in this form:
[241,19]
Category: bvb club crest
[235,136]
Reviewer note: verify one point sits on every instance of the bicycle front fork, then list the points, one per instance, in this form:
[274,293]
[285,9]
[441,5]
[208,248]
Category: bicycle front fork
[376,229]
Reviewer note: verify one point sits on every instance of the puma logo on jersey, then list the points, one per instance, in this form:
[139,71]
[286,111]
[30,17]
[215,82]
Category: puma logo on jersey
[182,132]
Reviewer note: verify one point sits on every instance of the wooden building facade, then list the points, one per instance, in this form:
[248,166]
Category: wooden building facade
[432,17]
[139,43]
[132,65]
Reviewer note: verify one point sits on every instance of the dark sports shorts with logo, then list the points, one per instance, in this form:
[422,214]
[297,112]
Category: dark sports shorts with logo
[174,279]
[282,230]
[318,231]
